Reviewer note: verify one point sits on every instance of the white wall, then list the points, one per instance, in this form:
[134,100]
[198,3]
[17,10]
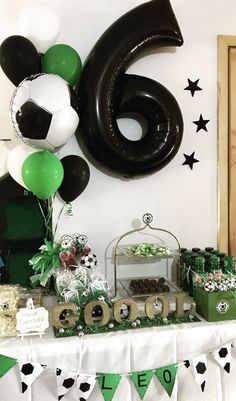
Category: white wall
[181,200]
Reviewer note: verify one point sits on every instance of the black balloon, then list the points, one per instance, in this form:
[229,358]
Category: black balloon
[105,92]
[76,177]
[19,58]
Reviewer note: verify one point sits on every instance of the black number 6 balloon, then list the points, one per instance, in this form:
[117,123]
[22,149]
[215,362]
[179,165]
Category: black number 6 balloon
[105,93]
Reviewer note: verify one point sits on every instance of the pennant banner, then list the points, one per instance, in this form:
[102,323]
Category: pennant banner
[167,375]
[108,383]
[141,381]
[223,357]
[65,380]
[29,373]
[6,363]
[85,386]
[199,365]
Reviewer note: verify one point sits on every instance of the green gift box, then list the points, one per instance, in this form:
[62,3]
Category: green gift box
[216,306]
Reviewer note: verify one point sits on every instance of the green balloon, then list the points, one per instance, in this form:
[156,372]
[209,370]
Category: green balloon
[63,60]
[42,173]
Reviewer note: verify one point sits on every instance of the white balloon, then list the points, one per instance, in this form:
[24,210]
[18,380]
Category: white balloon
[5,149]
[4,152]
[7,88]
[15,161]
[39,23]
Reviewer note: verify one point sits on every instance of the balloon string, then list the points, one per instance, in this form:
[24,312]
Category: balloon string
[49,231]
[41,209]
[43,214]
[47,218]
[69,209]
[58,218]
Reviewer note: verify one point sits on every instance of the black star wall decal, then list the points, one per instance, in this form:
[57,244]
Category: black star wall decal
[201,123]
[190,160]
[193,87]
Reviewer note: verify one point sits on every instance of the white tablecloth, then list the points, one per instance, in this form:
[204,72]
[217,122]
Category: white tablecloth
[123,352]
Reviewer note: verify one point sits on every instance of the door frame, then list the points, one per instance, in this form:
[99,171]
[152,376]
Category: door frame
[225,42]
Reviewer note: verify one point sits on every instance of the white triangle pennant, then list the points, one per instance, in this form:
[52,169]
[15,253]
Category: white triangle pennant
[29,372]
[187,363]
[199,365]
[85,385]
[223,357]
[65,380]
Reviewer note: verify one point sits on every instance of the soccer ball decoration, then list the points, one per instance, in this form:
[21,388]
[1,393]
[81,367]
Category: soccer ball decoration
[219,286]
[29,373]
[200,373]
[97,313]
[227,284]
[64,382]
[85,385]
[88,260]
[209,286]
[44,111]
[66,242]
[232,283]
[124,311]
[223,357]
[222,306]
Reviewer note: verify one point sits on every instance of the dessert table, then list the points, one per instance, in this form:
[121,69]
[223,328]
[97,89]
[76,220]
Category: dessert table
[123,352]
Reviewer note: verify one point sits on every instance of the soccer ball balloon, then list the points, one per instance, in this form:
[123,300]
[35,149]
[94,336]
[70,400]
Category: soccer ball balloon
[44,111]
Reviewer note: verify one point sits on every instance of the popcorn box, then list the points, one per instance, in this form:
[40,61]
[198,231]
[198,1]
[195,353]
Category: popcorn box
[9,295]
[216,306]
[12,298]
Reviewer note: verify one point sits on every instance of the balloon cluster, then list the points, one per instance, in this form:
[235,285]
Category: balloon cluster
[44,108]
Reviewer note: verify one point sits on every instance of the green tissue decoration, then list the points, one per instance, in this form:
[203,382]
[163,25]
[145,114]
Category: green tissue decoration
[45,261]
